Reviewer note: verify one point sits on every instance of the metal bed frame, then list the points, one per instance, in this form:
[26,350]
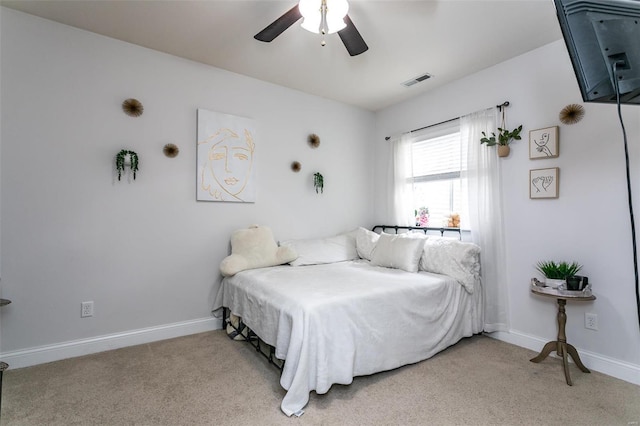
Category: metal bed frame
[268,351]
[425,229]
[264,349]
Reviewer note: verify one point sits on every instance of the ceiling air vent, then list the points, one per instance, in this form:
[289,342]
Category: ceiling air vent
[416,80]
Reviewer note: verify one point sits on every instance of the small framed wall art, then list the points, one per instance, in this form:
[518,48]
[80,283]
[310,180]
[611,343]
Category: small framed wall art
[543,183]
[543,143]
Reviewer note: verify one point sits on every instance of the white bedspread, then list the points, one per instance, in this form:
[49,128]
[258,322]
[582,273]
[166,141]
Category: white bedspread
[336,321]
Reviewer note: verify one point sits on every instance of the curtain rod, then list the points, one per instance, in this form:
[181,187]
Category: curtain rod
[502,105]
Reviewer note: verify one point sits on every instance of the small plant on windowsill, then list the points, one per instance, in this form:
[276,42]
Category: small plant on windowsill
[504,138]
[422,216]
[121,162]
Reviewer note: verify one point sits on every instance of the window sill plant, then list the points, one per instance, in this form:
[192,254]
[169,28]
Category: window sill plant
[422,216]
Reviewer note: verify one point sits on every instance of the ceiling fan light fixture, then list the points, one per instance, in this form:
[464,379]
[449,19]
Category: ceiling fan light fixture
[320,16]
[312,23]
[335,24]
[323,16]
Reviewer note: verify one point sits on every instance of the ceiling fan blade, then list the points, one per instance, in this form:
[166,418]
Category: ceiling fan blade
[352,39]
[278,26]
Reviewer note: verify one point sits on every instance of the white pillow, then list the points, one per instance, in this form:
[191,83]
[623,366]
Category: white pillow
[365,242]
[254,248]
[414,234]
[457,259]
[394,251]
[326,250]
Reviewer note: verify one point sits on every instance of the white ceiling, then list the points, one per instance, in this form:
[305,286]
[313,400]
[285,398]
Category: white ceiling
[446,38]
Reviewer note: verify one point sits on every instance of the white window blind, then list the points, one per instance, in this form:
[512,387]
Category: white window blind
[436,161]
[437,157]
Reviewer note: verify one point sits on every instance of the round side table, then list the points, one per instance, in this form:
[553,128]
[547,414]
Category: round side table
[562,348]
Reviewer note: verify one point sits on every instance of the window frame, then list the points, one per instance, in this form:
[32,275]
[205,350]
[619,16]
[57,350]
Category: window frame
[450,127]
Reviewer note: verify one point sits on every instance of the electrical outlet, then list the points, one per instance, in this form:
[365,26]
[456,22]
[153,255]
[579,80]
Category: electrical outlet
[86,309]
[591,321]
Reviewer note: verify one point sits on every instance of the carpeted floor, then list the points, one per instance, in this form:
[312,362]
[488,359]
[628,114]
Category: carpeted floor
[207,379]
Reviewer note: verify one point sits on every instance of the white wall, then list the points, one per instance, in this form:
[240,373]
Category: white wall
[589,222]
[145,251]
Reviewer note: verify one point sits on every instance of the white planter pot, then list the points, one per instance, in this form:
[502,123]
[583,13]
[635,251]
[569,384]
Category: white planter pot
[553,283]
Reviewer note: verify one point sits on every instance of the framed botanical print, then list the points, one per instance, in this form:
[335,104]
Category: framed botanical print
[543,143]
[544,183]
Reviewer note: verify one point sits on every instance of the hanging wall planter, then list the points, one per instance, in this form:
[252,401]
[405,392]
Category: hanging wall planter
[503,150]
[318,182]
[126,158]
[504,137]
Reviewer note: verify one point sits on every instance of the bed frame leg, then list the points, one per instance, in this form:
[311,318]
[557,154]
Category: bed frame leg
[253,339]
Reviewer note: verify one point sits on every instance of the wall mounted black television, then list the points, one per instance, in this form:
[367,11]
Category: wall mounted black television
[599,34]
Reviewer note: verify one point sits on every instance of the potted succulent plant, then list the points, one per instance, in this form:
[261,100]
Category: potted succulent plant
[503,139]
[557,273]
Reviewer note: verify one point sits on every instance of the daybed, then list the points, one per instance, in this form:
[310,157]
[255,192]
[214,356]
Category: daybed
[357,304]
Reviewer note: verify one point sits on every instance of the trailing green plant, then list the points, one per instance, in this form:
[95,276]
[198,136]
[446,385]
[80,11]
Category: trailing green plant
[558,270]
[504,136]
[318,182]
[120,164]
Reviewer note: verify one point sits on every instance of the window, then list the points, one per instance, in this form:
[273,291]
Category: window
[437,183]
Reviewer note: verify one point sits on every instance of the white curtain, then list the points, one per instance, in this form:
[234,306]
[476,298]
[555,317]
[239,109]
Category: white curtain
[401,178]
[485,214]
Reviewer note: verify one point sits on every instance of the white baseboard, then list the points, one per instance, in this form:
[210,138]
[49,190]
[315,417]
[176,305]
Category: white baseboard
[609,366]
[58,351]
[40,355]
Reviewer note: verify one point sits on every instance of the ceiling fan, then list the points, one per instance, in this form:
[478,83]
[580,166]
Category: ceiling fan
[322,17]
